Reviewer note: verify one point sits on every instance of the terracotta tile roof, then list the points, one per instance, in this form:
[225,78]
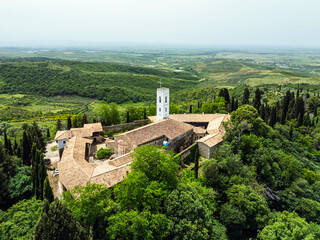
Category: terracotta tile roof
[167,127]
[96,127]
[211,139]
[86,131]
[75,170]
[112,177]
[60,135]
[198,117]
[213,126]
[199,130]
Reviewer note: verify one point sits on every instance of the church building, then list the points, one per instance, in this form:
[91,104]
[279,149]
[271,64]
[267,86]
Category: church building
[177,132]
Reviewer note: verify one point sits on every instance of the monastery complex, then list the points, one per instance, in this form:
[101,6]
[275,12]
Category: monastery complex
[78,146]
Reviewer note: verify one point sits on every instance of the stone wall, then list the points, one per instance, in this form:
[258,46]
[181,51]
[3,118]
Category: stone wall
[207,152]
[125,126]
[182,142]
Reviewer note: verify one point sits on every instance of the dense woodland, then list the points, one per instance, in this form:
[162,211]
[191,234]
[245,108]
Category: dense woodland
[108,82]
[263,182]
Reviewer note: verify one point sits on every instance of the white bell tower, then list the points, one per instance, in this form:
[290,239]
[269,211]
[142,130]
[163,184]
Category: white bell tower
[162,103]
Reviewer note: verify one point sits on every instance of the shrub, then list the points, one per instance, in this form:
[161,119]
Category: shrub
[104,153]
[54,148]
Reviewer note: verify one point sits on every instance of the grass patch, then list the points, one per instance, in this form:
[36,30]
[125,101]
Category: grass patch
[54,148]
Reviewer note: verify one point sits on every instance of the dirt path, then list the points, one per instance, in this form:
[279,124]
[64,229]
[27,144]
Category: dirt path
[93,102]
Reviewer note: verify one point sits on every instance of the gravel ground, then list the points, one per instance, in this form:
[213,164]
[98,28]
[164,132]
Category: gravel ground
[53,155]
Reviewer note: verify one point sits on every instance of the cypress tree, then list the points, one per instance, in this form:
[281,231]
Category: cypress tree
[236,105]
[6,143]
[19,152]
[37,137]
[306,120]
[57,222]
[128,117]
[300,119]
[69,124]
[10,151]
[263,112]
[35,172]
[226,95]
[48,133]
[285,105]
[291,130]
[59,125]
[15,147]
[278,117]
[283,117]
[221,93]
[42,174]
[84,119]
[232,104]
[299,107]
[144,113]
[74,122]
[245,97]
[190,109]
[298,92]
[47,191]
[196,163]
[273,117]
[26,149]
[257,99]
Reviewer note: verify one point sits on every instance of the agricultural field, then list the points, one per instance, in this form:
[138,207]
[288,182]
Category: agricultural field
[47,84]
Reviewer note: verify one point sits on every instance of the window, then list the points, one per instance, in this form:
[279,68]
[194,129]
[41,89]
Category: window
[160,99]
[166,110]
[159,109]
[166,99]
[64,142]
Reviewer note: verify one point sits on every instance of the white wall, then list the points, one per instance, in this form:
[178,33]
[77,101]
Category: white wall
[62,143]
[162,103]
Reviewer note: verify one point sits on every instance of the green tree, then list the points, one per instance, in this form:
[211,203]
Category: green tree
[57,222]
[257,99]
[153,175]
[7,170]
[250,115]
[47,191]
[75,122]
[273,117]
[245,212]
[313,104]
[26,149]
[91,205]
[287,225]
[69,123]
[59,125]
[104,153]
[114,114]
[84,119]
[19,221]
[20,185]
[191,216]
[157,164]
[39,172]
[139,225]
[246,96]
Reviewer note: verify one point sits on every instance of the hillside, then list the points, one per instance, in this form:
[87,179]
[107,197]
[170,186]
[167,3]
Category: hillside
[104,81]
[234,72]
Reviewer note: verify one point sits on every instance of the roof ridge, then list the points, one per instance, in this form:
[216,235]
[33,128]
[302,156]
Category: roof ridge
[73,158]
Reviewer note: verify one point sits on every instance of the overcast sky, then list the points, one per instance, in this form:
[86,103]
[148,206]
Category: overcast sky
[196,22]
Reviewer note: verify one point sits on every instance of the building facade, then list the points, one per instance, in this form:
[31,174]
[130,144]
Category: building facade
[162,103]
